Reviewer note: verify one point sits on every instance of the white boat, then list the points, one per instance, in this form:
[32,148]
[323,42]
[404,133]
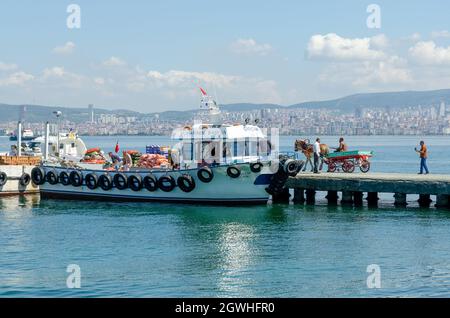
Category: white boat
[27,134]
[210,163]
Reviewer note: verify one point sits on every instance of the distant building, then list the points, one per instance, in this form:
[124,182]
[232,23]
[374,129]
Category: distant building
[91,113]
[442,110]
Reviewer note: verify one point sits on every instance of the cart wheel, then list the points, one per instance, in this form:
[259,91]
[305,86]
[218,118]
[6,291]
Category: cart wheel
[365,166]
[348,166]
[331,166]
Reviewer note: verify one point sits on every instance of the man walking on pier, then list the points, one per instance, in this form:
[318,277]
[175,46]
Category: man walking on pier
[423,157]
[316,149]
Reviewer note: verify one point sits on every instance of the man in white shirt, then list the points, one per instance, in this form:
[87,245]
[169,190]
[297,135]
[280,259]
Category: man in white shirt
[316,149]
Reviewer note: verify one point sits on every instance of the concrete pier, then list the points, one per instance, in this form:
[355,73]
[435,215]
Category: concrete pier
[400,199]
[12,185]
[353,185]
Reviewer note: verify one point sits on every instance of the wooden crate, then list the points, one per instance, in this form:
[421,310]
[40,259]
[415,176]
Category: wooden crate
[22,160]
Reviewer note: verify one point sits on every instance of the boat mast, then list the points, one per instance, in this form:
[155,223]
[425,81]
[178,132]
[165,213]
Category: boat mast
[209,105]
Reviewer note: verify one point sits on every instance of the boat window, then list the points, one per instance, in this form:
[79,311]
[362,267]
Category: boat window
[241,146]
[253,147]
[187,151]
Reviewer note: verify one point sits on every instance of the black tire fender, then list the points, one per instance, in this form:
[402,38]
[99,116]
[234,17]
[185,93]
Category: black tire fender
[120,181]
[24,179]
[135,182]
[64,178]
[186,183]
[166,183]
[91,181]
[105,182]
[150,182]
[51,177]
[76,178]
[205,174]
[38,175]
[3,178]
[233,172]
[256,167]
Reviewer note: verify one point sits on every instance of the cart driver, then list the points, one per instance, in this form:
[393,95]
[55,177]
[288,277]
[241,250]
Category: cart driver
[342,145]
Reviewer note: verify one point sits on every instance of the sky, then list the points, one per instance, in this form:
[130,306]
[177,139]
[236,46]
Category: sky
[153,55]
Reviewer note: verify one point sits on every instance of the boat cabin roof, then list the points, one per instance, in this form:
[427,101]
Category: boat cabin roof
[224,131]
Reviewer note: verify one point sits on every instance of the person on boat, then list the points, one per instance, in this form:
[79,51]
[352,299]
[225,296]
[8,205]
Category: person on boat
[316,149]
[342,145]
[423,154]
[114,157]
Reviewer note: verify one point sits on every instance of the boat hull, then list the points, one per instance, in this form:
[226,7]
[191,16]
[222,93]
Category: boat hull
[248,188]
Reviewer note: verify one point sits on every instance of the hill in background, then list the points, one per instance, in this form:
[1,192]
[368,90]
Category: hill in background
[392,100]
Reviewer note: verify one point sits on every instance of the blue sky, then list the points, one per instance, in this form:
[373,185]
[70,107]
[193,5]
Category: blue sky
[152,55]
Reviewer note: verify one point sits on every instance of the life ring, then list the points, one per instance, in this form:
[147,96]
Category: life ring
[51,177]
[38,175]
[233,172]
[91,180]
[120,181]
[256,167]
[205,174]
[76,178]
[135,182]
[291,167]
[93,150]
[150,183]
[25,179]
[3,178]
[64,178]
[105,182]
[186,183]
[166,183]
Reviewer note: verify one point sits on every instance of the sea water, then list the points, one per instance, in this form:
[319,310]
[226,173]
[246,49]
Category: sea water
[169,250]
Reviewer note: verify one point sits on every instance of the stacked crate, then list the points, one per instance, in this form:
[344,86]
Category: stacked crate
[20,160]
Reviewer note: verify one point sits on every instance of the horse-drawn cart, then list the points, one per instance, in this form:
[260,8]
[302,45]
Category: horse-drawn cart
[348,160]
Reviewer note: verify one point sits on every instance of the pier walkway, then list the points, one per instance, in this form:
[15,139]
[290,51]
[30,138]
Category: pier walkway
[353,185]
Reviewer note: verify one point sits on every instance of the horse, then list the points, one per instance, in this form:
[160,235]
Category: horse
[308,150]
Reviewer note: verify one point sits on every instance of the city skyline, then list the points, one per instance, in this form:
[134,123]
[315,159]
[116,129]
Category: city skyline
[153,56]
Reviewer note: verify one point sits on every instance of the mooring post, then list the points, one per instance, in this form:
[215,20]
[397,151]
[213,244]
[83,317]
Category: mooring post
[310,196]
[424,200]
[442,201]
[400,199]
[282,197]
[347,197]
[372,199]
[332,197]
[358,198]
[299,196]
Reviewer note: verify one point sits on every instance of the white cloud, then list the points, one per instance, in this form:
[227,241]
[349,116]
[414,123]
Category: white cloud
[428,53]
[250,47]
[333,47]
[99,80]
[7,67]
[114,61]
[440,34]
[379,41]
[67,48]
[53,72]
[17,78]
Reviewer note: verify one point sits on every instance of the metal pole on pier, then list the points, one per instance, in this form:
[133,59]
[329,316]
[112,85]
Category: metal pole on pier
[19,138]
[47,133]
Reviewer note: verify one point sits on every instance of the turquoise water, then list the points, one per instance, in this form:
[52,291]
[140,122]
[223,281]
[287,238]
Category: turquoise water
[167,250]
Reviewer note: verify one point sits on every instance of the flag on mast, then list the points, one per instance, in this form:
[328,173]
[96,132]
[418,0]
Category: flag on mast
[203,91]
[117,147]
